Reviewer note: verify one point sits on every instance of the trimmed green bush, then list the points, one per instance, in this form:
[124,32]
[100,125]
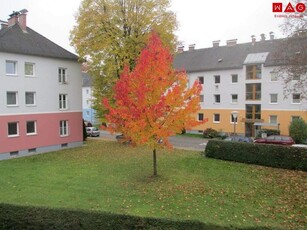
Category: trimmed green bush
[22,217]
[298,130]
[286,157]
[210,133]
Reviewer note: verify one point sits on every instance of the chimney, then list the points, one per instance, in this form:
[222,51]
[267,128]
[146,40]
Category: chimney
[253,39]
[191,47]
[13,18]
[262,37]
[180,49]
[271,36]
[216,43]
[22,19]
[231,42]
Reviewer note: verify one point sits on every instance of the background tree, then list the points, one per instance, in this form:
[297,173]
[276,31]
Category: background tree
[153,102]
[298,130]
[293,52]
[111,34]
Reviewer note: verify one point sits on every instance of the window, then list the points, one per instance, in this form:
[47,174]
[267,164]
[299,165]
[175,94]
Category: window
[295,118]
[31,127]
[274,76]
[87,91]
[273,119]
[11,98]
[234,78]
[200,116]
[12,129]
[216,118]
[296,98]
[201,80]
[11,67]
[253,91]
[62,76]
[63,101]
[87,113]
[253,112]
[29,69]
[253,72]
[273,98]
[232,119]
[234,98]
[63,128]
[201,98]
[217,98]
[30,98]
[217,79]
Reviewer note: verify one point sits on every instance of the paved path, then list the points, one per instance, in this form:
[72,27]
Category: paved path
[180,142]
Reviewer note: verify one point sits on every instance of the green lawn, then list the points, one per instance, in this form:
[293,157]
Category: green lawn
[108,176]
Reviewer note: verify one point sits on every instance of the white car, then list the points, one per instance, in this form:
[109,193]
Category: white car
[92,132]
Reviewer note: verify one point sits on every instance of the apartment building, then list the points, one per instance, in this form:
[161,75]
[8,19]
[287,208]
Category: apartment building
[242,92]
[89,114]
[40,92]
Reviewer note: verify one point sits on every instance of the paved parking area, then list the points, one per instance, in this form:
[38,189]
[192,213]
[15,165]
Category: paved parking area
[180,142]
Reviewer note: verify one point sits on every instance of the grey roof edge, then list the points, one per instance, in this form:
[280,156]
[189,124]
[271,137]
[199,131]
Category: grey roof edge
[36,44]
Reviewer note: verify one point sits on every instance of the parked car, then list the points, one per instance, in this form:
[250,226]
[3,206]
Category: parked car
[239,139]
[276,139]
[92,132]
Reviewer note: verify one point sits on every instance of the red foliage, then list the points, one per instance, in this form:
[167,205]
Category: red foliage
[153,101]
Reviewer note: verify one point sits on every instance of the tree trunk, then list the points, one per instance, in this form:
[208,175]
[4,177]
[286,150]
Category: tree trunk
[155,173]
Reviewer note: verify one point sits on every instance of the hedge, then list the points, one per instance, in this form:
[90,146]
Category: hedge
[34,218]
[286,157]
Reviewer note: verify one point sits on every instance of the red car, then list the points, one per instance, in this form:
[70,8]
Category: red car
[276,139]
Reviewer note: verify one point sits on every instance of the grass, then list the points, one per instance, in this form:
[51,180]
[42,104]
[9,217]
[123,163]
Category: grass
[196,135]
[107,176]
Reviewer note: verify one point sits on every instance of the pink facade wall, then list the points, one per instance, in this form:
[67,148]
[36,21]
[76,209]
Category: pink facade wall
[47,127]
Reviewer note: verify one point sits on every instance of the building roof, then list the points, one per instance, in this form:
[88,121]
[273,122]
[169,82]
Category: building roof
[14,40]
[86,80]
[233,57]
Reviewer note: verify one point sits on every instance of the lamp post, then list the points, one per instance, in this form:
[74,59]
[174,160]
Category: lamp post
[235,116]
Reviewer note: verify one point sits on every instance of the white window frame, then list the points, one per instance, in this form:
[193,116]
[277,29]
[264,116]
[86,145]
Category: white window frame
[271,98]
[273,76]
[232,101]
[64,128]
[270,119]
[17,129]
[33,69]
[201,98]
[234,82]
[16,97]
[34,98]
[219,116]
[62,75]
[299,100]
[217,77]
[215,97]
[35,128]
[63,101]
[203,80]
[15,68]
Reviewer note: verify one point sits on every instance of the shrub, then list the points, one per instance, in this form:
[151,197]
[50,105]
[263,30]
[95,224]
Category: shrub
[269,132]
[287,157]
[298,130]
[210,133]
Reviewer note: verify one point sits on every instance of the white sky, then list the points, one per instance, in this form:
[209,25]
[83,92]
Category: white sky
[200,21]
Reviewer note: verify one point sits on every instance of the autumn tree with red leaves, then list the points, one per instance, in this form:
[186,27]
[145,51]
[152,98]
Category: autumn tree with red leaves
[153,101]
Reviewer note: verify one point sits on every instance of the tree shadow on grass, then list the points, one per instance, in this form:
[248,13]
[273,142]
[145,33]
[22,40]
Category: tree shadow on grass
[34,218]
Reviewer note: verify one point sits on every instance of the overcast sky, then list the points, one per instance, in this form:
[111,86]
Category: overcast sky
[200,21]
